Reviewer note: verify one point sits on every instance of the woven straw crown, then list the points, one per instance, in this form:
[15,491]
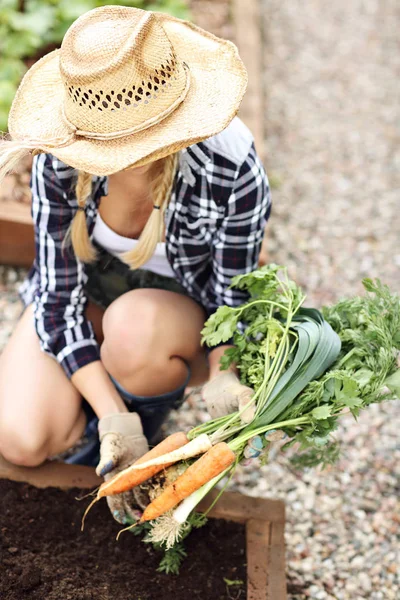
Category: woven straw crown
[121,75]
[128,86]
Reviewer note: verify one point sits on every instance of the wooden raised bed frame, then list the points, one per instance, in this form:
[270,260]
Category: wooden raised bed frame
[264,521]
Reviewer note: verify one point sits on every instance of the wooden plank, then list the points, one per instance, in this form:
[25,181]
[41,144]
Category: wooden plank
[276,566]
[17,212]
[247,20]
[257,545]
[51,474]
[236,507]
[265,548]
[17,245]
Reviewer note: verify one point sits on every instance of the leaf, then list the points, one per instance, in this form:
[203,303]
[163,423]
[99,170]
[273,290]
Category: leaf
[229,356]
[233,581]
[7,92]
[37,23]
[11,70]
[324,456]
[220,326]
[261,282]
[20,44]
[363,377]
[69,11]
[347,393]
[172,560]
[322,412]
[393,383]
[369,284]
[318,347]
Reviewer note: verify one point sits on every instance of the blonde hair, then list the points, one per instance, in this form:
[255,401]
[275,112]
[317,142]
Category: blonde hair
[160,192]
[11,153]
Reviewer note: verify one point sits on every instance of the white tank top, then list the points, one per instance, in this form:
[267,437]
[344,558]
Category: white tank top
[117,244]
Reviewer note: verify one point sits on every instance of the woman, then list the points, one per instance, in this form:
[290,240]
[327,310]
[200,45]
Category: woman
[148,196]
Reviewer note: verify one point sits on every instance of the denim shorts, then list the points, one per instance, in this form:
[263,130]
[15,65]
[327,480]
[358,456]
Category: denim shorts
[109,278]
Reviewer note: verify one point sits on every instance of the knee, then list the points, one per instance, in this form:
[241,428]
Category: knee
[131,329]
[21,447]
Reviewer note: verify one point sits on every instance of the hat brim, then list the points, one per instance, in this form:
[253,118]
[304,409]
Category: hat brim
[218,83]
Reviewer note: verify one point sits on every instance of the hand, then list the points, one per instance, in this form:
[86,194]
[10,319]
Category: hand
[225,394]
[121,443]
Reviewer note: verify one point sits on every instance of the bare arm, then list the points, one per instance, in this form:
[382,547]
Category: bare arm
[94,383]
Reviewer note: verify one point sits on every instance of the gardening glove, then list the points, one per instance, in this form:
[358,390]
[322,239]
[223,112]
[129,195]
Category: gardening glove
[225,394]
[121,443]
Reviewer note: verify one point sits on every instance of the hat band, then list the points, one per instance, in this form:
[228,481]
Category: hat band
[142,126]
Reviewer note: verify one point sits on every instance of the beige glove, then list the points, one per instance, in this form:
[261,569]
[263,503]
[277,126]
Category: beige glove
[121,443]
[225,394]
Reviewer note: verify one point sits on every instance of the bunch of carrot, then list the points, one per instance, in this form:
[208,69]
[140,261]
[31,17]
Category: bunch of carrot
[214,461]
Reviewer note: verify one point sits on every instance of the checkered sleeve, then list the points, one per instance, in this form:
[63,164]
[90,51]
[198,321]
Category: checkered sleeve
[59,301]
[237,245]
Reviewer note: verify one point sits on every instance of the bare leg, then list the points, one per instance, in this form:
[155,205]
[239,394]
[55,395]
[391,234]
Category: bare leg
[147,333]
[40,410]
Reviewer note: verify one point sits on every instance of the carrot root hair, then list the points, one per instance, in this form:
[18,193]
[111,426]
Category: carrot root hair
[126,529]
[86,512]
[87,495]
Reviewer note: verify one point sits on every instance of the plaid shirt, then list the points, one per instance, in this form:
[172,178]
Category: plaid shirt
[214,228]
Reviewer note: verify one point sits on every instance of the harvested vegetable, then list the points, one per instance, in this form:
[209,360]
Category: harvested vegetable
[307,368]
[197,446]
[131,477]
[207,467]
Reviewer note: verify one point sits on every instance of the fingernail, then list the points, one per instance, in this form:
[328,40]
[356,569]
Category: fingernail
[107,468]
[256,442]
[268,433]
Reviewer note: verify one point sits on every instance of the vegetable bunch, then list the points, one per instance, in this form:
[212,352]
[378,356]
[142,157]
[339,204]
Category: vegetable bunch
[306,367]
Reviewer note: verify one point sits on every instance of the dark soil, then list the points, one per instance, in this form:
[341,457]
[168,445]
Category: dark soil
[44,555]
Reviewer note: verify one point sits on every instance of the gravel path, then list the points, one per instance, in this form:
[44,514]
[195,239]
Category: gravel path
[333,155]
[332,141]
[331,78]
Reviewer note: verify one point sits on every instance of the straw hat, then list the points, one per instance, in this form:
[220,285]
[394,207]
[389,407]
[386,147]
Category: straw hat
[126,87]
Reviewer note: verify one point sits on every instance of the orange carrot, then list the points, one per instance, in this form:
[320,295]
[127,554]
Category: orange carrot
[129,478]
[208,466]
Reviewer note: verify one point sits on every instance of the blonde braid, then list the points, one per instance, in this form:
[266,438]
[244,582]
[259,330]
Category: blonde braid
[78,231]
[152,233]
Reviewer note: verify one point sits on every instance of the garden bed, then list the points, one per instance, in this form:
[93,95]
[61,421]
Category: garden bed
[45,555]
[40,540]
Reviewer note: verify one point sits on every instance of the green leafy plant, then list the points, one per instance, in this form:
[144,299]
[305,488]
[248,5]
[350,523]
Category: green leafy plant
[172,558]
[30,28]
[306,367]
